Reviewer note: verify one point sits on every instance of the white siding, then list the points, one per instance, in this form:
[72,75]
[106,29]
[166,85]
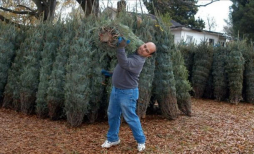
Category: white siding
[181,34]
[177,36]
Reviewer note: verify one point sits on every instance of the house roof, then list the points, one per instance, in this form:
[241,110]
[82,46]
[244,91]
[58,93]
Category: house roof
[176,24]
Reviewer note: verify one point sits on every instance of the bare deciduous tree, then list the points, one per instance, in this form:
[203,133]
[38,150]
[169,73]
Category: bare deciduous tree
[43,9]
[211,23]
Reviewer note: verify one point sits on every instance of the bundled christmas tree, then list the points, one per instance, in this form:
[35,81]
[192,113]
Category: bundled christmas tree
[109,64]
[164,81]
[208,92]
[12,88]
[188,51]
[234,70]
[146,31]
[247,52]
[55,91]
[106,33]
[97,86]
[7,53]
[220,85]
[249,74]
[183,86]
[48,55]
[77,89]
[29,78]
[201,69]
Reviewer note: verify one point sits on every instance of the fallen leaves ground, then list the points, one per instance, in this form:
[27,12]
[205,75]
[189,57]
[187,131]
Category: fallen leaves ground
[215,127]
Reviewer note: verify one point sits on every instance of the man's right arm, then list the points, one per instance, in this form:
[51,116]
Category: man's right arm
[126,63]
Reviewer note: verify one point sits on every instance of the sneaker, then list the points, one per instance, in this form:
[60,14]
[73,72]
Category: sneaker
[141,147]
[108,144]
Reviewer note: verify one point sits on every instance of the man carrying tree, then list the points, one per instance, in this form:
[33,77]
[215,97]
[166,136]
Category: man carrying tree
[124,94]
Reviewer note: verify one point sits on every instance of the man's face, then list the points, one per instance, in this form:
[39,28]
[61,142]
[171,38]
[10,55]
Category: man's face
[146,49]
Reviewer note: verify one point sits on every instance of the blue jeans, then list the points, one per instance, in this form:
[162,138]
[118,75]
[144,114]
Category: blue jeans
[124,102]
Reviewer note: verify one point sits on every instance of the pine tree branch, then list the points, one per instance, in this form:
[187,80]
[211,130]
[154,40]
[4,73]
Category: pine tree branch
[19,12]
[207,3]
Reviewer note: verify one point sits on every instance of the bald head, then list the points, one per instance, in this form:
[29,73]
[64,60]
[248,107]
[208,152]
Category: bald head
[147,49]
[152,47]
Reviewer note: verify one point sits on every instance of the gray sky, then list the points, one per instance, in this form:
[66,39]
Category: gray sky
[219,10]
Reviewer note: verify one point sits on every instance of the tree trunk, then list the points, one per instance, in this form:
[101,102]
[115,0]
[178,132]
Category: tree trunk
[89,6]
[46,10]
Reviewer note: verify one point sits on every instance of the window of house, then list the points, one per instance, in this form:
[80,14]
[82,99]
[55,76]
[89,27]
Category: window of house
[211,41]
[189,39]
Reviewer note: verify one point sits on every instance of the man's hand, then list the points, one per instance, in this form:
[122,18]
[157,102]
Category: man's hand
[106,73]
[122,42]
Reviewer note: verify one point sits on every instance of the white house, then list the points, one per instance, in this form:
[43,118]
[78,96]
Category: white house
[190,35]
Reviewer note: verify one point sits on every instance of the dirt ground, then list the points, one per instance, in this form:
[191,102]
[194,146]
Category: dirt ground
[215,127]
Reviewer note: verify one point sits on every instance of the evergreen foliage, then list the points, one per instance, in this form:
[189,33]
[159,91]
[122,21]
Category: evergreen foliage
[78,70]
[208,92]
[106,85]
[146,31]
[180,11]
[242,18]
[55,91]
[249,74]
[115,29]
[164,81]
[188,51]
[201,69]
[29,77]
[248,80]
[11,91]
[234,70]
[57,68]
[12,88]
[220,85]
[7,53]
[183,86]
[48,55]
[96,100]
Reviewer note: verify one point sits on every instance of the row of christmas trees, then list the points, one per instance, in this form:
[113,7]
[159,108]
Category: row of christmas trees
[221,73]
[54,70]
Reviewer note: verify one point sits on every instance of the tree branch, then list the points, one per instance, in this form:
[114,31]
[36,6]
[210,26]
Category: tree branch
[184,2]
[207,3]
[26,8]
[2,18]
[18,12]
